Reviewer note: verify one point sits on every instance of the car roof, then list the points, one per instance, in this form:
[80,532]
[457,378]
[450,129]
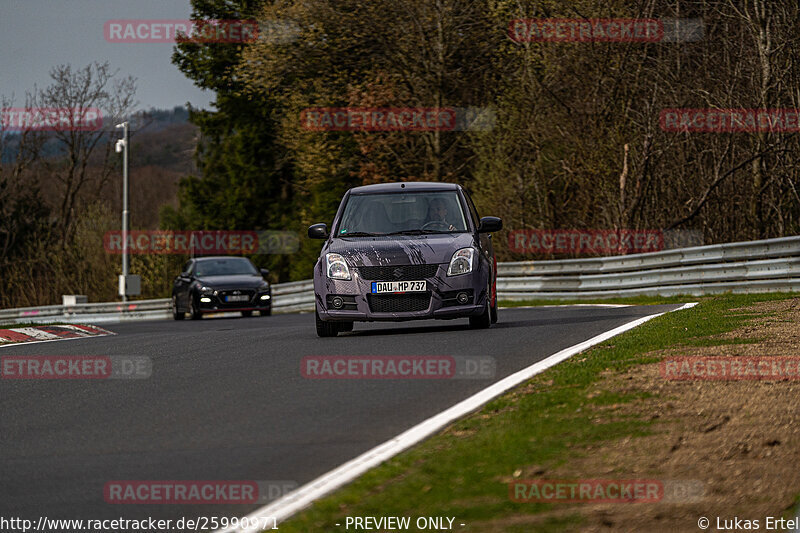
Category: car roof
[405,186]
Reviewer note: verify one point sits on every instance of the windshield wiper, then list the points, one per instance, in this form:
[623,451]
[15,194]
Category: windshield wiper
[360,234]
[417,232]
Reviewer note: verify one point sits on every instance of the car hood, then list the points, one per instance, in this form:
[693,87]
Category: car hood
[243,281]
[400,249]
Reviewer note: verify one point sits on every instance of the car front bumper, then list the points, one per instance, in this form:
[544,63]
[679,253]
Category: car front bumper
[214,303]
[441,304]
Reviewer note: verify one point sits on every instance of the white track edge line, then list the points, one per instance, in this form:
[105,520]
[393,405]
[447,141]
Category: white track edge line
[287,505]
[567,305]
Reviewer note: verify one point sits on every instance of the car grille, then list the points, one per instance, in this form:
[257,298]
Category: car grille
[222,294]
[398,273]
[398,303]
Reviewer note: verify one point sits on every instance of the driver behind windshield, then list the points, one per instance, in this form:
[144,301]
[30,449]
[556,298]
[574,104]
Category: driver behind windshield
[437,212]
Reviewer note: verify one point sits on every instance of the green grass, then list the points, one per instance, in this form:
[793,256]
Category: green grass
[794,509]
[464,471]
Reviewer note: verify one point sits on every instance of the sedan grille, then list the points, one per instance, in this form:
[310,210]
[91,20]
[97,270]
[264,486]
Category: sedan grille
[398,273]
[249,293]
[398,303]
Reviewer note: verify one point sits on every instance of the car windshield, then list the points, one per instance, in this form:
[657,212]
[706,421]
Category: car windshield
[402,213]
[225,267]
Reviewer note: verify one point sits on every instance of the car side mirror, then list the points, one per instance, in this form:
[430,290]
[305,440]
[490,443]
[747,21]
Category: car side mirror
[490,225]
[318,231]
[264,272]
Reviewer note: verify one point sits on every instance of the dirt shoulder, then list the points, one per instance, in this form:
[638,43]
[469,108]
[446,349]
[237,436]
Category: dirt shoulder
[739,439]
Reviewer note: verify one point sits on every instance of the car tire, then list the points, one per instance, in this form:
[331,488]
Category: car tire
[194,310]
[175,314]
[247,313]
[345,326]
[265,312]
[484,320]
[326,329]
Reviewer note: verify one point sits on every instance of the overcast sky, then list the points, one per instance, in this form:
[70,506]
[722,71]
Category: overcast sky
[36,35]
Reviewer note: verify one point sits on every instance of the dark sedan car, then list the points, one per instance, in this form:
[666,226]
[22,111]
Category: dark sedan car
[216,284]
[405,251]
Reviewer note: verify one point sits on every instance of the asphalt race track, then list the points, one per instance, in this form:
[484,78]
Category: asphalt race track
[226,401]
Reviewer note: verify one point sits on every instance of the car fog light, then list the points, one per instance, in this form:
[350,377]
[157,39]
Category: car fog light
[205,300]
[265,297]
[462,298]
[337,302]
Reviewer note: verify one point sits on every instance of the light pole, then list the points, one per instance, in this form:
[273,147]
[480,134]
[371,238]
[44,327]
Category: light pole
[122,146]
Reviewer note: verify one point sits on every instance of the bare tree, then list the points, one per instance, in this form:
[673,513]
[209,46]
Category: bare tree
[81,90]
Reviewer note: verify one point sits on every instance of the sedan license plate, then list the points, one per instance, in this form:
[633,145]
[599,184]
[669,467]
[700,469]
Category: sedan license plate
[380,287]
[237,298]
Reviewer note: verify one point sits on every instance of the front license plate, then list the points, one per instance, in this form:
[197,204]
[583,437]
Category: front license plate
[237,298]
[379,287]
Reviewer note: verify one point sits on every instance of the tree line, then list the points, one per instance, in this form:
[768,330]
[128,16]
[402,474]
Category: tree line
[60,185]
[575,137]
[576,141]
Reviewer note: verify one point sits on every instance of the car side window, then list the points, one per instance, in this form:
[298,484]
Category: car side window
[187,268]
[472,211]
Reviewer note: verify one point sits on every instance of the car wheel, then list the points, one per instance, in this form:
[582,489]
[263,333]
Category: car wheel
[484,320]
[194,310]
[247,313]
[326,329]
[345,326]
[175,314]
[265,312]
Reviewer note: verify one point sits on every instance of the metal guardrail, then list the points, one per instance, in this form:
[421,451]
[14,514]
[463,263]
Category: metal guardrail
[287,298]
[756,266]
[715,253]
[140,309]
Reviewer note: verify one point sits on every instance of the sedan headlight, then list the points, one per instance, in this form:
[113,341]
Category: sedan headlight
[204,290]
[461,263]
[264,285]
[336,267]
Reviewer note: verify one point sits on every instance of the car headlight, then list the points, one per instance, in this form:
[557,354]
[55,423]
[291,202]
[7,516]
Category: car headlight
[264,285]
[461,263]
[336,267]
[204,290]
